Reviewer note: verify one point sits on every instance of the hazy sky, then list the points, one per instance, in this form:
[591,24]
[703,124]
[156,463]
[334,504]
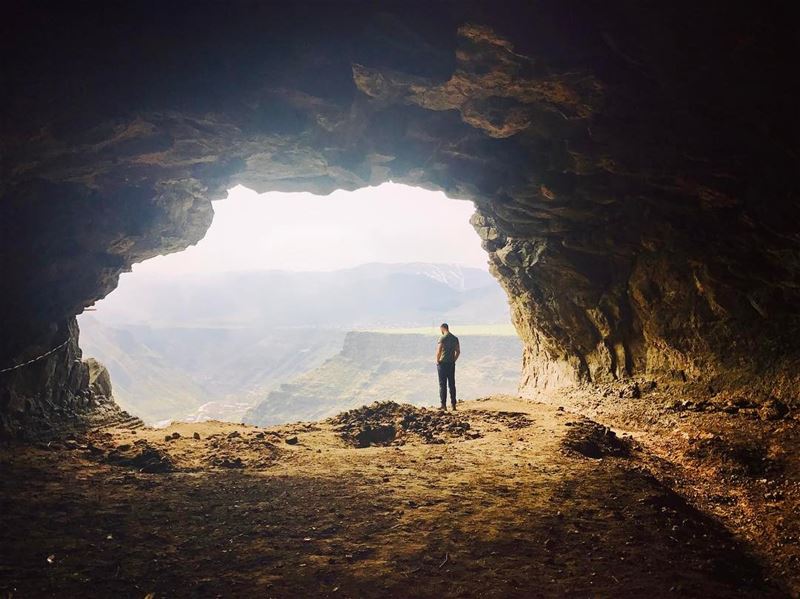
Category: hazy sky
[300,231]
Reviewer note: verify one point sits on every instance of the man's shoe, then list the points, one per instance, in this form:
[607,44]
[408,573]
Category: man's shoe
[454,407]
[443,407]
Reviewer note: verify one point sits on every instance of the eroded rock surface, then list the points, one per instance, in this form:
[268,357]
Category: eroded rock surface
[58,392]
[632,164]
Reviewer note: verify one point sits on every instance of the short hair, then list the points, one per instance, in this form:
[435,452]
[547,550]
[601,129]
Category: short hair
[445,326]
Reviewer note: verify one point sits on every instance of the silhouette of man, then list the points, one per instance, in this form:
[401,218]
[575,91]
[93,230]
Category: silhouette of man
[447,351]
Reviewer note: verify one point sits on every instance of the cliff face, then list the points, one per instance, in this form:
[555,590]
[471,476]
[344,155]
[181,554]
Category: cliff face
[390,367]
[59,391]
[631,163]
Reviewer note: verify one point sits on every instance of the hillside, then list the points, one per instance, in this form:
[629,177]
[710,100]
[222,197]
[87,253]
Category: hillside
[397,367]
[180,373]
[213,345]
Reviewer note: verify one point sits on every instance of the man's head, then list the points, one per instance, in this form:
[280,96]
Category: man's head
[444,328]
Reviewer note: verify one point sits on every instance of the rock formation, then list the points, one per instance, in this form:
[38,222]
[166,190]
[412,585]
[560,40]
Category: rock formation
[57,391]
[388,367]
[632,164]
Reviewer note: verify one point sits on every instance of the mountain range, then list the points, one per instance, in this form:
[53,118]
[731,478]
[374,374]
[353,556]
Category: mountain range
[366,296]
[391,367]
[214,345]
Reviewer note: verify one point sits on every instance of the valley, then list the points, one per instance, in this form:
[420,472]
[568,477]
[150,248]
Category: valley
[391,367]
[272,346]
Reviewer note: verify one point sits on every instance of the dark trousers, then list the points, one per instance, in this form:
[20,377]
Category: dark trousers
[447,378]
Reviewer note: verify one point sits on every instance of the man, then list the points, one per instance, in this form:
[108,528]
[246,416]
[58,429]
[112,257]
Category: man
[447,351]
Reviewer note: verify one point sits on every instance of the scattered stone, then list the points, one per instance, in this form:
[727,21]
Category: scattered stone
[196,436]
[681,405]
[721,499]
[227,462]
[736,457]
[774,496]
[94,449]
[512,420]
[593,440]
[740,401]
[291,440]
[631,391]
[168,438]
[147,459]
[773,409]
[234,435]
[375,435]
[390,423]
[176,435]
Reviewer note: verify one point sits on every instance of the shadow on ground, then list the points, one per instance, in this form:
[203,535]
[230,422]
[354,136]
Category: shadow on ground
[501,516]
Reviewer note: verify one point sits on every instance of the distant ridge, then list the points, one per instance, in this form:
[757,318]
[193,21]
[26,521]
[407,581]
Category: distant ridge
[197,346]
[413,294]
[382,367]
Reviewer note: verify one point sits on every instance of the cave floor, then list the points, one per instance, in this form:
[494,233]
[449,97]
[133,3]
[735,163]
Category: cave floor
[511,509]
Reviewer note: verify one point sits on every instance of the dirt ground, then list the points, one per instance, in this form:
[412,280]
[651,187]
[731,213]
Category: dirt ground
[506,498]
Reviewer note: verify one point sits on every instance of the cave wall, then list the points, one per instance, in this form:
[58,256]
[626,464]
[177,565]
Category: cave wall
[632,164]
[58,392]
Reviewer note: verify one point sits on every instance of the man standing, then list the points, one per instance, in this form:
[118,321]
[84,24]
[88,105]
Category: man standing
[447,351]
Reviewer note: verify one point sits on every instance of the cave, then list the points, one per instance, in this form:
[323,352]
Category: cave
[633,167]
[283,283]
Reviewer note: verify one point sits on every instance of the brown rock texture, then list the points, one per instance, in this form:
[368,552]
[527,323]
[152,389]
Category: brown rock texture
[58,392]
[632,164]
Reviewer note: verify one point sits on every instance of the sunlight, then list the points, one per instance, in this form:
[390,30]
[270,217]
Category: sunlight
[302,290]
[304,232]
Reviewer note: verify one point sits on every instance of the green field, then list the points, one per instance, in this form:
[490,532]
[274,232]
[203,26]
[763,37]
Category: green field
[497,330]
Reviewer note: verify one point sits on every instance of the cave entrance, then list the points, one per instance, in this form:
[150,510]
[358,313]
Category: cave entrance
[296,306]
